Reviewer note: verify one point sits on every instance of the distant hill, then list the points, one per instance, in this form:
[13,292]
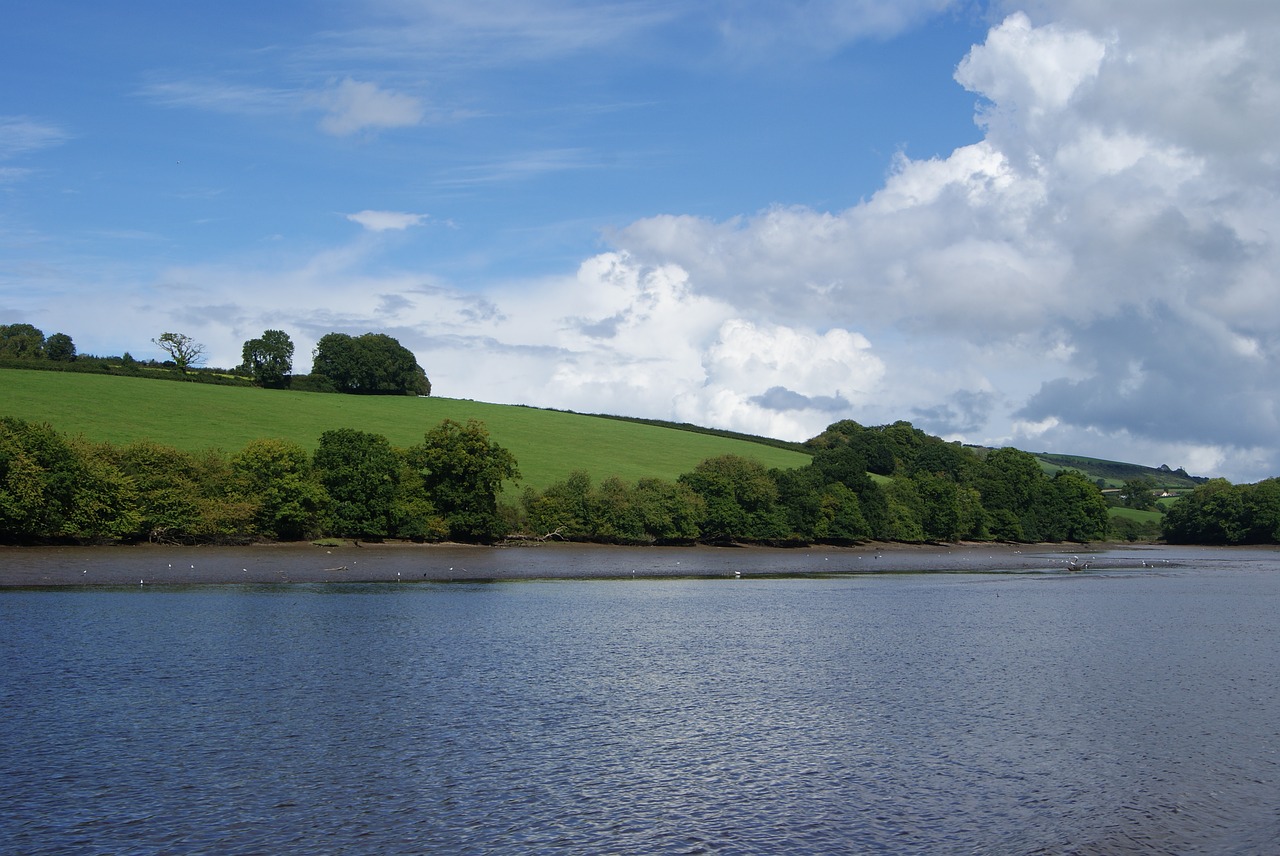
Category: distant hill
[1115,473]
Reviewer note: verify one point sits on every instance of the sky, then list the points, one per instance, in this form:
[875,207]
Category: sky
[1051,224]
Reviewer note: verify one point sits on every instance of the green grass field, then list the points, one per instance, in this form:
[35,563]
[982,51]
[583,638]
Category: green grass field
[548,444]
[1135,514]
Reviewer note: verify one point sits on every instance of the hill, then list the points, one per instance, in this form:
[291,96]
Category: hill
[1115,473]
[548,444]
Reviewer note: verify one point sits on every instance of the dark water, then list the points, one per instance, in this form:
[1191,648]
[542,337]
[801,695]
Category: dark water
[1128,711]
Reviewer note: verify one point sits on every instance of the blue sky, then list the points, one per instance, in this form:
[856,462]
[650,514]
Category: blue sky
[1047,224]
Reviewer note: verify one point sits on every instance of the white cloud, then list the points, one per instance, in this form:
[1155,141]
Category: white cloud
[354,106]
[349,105]
[1089,231]
[1031,70]
[221,97]
[760,28]
[22,134]
[384,221]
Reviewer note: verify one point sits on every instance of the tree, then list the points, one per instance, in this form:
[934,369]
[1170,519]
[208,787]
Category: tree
[38,474]
[168,490]
[269,359]
[1078,511]
[1014,489]
[564,507]
[740,497]
[1213,513]
[668,511]
[371,364]
[185,352]
[55,488]
[276,476]
[21,342]
[462,472]
[1139,493]
[59,347]
[360,471]
[1262,511]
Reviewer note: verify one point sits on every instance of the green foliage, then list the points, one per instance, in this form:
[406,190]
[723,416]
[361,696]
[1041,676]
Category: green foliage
[171,488]
[870,444]
[840,516]
[1014,490]
[21,342]
[948,511]
[104,502]
[38,473]
[277,478]
[462,473]
[269,359]
[1076,510]
[60,348]
[904,512]
[372,364]
[668,511]
[564,508]
[1262,512]
[651,511]
[52,488]
[1219,512]
[1139,493]
[360,471]
[740,497]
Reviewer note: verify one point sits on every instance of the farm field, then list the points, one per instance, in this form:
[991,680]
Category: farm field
[547,444]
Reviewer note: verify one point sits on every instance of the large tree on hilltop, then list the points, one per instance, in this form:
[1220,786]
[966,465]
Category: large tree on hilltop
[269,359]
[185,352]
[371,364]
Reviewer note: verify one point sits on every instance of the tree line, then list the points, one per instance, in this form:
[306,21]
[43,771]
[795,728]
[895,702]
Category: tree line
[1222,513]
[892,483]
[888,483]
[368,364]
[58,488]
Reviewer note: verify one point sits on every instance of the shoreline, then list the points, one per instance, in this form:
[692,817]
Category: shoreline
[153,565]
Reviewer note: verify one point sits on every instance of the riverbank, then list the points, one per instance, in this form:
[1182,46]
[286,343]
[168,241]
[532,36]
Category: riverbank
[154,565]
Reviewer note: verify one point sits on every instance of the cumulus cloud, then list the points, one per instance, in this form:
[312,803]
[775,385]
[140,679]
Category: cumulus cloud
[1096,269]
[354,105]
[384,221]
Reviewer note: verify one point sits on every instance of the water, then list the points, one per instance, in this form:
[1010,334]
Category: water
[1123,711]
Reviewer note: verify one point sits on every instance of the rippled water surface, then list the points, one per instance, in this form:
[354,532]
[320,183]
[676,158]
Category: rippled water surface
[958,713]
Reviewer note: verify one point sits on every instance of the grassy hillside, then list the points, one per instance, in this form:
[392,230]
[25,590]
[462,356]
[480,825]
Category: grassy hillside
[1115,473]
[548,444]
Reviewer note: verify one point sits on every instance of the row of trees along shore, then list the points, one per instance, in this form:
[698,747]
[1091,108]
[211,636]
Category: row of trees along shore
[886,483]
[368,364]
[892,483]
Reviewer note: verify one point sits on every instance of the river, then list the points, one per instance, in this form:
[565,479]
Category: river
[579,700]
